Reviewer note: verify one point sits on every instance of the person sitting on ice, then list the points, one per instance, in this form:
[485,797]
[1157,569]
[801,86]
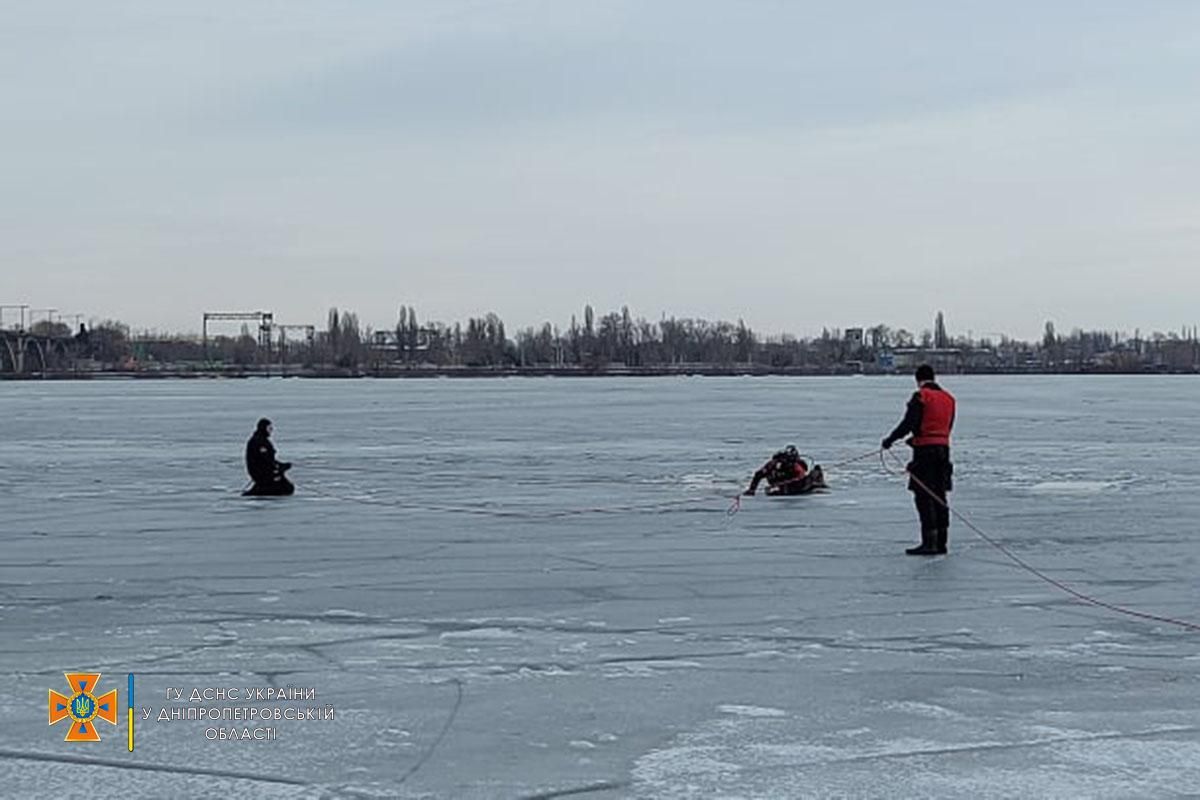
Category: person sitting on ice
[787,473]
[265,471]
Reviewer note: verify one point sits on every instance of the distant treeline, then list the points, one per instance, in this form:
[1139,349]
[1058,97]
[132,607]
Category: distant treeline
[620,340]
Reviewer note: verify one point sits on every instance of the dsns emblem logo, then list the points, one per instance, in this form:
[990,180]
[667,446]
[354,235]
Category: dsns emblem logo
[83,707]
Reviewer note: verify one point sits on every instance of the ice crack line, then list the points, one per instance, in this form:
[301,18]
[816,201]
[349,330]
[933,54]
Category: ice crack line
[442,735]
[56,758]
[983,747]
[602,786]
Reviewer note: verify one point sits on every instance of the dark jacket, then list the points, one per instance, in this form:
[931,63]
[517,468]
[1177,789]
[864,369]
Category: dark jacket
[260,458]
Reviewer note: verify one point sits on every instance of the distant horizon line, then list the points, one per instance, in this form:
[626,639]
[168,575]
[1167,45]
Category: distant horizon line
[1121,332]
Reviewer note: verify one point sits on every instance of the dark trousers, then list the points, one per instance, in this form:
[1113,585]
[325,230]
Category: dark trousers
[934,516]
[280,487]
[931,466]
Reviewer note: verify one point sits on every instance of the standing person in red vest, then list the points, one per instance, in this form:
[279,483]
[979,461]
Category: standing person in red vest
[929,419]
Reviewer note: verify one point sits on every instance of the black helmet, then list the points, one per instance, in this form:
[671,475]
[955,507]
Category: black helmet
[787,455]
[263,424]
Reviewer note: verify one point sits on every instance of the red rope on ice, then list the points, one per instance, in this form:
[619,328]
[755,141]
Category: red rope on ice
[1020,562]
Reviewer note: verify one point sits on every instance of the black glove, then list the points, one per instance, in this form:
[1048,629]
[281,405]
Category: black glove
[748,493]
[886,444]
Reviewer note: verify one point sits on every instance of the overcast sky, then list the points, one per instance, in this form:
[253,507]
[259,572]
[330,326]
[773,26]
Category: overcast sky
[794,164]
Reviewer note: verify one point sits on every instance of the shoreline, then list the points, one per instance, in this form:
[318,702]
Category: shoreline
[698,370]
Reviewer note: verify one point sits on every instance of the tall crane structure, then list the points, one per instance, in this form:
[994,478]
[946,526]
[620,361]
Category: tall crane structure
[265,320]
[310,335]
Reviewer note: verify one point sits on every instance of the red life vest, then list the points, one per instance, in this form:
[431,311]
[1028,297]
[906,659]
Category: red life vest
[937,417]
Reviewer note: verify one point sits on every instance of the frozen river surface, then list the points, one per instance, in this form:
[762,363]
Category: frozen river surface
[531,588]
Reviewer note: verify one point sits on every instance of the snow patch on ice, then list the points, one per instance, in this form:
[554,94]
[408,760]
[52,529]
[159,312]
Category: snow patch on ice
[700,478]
[693,481]
[796,752]
[481,633]
[343,613]
[922,709]
[1072,488]
[667,765]
[649,668]
[851,732]
[751,711]
[764,654]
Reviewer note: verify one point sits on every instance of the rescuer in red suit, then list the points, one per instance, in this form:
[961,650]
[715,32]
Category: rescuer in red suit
[929,419]
[786,473]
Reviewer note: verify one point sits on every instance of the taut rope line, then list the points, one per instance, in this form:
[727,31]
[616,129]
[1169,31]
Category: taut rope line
[1023,564]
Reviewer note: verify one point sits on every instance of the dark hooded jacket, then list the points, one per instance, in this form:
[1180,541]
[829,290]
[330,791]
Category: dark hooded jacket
[260,458]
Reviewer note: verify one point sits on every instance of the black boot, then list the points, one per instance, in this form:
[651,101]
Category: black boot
[927,546]
[940,542]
